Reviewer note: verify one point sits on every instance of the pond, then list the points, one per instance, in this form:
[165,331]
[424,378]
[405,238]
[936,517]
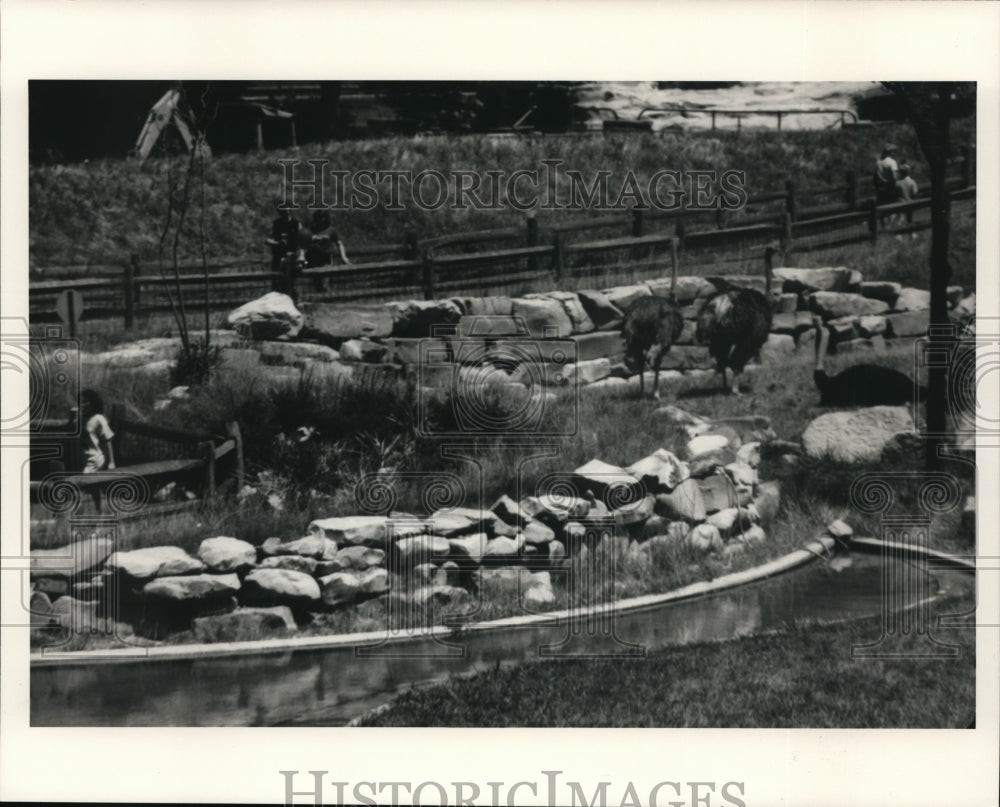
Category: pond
[331,685]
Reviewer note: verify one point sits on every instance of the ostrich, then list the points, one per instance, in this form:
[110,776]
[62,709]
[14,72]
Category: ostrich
[651,325]
[735,323]
[860,384]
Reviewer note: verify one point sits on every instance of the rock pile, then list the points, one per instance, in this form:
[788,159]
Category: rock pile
[709,500]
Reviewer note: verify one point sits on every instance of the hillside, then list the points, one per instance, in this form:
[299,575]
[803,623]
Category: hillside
[100,212]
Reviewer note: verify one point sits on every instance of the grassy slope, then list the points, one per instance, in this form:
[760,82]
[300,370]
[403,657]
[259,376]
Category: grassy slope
[99,212]
[800,677]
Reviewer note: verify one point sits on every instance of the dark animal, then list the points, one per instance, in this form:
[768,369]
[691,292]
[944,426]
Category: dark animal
[652,324]
[735,323]
[861,384]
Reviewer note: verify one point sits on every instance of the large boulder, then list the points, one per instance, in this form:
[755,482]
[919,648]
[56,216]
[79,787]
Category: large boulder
[833,278]
[314,545]
[554,510]
[832,304]
[71,561]
[296,563]
[417,318]
[498,306]
[718,492]
[598,477]
[570,301]
[420,549]
[704,538]
[192,587]
[856,435]
[154,561]
[267,317]
[280,587]
[353,558]
[353,530]
[468,549]
[587,372]
[908,323]
[224,554]
[339,588]
[544,317]
[363,350]
[602,312]
[635,512]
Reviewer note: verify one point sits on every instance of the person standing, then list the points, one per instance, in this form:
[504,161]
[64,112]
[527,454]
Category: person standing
[284,243]
[906,191]
[884,178]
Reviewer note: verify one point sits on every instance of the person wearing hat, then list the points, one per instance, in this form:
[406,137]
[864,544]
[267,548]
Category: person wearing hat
[886,173]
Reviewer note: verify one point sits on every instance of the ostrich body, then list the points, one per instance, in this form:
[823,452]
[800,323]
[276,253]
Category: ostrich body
[651,326]
[735,324]
[861,384]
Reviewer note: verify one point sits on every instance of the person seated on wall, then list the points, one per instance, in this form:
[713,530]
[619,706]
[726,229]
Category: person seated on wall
[284,243]
[323,241]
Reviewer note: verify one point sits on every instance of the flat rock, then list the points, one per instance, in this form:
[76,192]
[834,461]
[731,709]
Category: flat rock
[683,502]
[458,521]
[536,533]
[598,476]
[353,530]
[833,278]
[279,587]
[192,587]
[363,350]
[494,306]
[502,549]
[420,549]
[910,299]
[856,435]
[543,317]
[509,511]
[314,545]
[340,321]
[353,558]
[832,304]
[636,512]
[791,324]
[154,561]
[873,325]
[554,510]
[706,443]
[660,472]
[73,560]
[225,554]
[267,317]
[574,309]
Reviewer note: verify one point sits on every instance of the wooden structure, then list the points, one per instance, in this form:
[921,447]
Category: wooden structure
[203,463]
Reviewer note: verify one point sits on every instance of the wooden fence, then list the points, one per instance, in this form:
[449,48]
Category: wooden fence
[594,251]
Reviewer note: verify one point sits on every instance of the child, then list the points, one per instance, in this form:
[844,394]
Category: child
[906,189]
[96,435]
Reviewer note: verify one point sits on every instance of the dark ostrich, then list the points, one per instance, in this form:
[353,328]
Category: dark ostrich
[861,384]
[735,324]
[652,324]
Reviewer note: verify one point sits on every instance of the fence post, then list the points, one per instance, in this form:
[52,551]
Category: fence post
[288,275]
[790,204]
[719,218]
[131,270]
[638,231]
[674,260]
[429,272]
[558,258]
[207,452]
[967,167]
[410,249]
[233,432]
[681,231]
[852,190]
[873,220]
[531,238]
[787,236]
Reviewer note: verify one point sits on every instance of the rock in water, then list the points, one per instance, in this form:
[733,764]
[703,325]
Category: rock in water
[267,317]
[855,435]
[237,624]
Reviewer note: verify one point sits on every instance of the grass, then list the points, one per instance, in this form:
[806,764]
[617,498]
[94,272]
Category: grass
[102,211]
[803,676]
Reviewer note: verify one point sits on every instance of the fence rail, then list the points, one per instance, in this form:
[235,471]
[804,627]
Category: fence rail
[634,242]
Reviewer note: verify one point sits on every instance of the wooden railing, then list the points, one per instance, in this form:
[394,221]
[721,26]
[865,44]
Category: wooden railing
[533,257]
